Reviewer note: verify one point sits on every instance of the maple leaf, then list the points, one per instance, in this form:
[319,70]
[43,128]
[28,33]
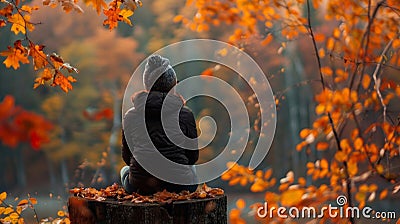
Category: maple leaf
[20,24]
[39,57]
[112,17]
[97,4]
[45,76]
[125,14]
[63,82]
[56,60]
[14,57]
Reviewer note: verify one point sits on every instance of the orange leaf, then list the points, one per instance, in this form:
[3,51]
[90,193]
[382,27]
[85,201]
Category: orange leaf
[97,4]
[61,213]
[23,202]
[358,143]
[207,72]
[396,43]
[304,133]
[3,196]
[19,23]
[14,57]
[326,71]
[366,81]
[33,201]
[319,37]
[340,156]
[352,168]
[268,174]
[14,215]
[63,82]
[112,17]
[291,197]
[267,40]
[240,204]
[321,146]
[383,194]
[324,164]
[39,58]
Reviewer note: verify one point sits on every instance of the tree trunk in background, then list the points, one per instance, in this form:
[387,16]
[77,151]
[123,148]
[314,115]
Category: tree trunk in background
[297,106]
[19,167]
[114,137]
[210,210]
[64,172]
[52,176]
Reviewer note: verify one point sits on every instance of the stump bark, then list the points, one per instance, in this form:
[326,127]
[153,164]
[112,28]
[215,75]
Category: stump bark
[195,211]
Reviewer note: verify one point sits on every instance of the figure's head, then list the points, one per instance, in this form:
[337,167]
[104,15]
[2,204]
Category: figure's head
[155,66]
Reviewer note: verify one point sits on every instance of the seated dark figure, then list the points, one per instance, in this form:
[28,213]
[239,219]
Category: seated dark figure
[134,177]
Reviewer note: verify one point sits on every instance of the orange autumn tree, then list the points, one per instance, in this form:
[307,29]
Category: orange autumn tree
[18,125]
[356,128]
[15,15]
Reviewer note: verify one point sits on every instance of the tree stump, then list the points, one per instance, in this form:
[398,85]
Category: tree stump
[208,210]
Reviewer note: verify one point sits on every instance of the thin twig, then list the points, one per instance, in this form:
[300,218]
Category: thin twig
[378,81]
[365,38]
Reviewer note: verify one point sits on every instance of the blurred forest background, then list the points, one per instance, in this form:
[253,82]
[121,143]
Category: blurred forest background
[83,147]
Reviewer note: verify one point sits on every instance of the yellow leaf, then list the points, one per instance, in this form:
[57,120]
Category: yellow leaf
[3,196]
[126,13]
[14,215]
[20,23]
[291,197]
[8,210]
[240,204]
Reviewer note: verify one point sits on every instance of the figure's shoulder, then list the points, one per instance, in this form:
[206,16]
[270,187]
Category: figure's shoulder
[186,114]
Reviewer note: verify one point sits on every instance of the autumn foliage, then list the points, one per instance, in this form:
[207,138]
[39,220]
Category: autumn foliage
[354,140]
[18,125]
[51,68]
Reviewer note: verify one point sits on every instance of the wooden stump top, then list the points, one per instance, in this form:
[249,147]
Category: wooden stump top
[193,211]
